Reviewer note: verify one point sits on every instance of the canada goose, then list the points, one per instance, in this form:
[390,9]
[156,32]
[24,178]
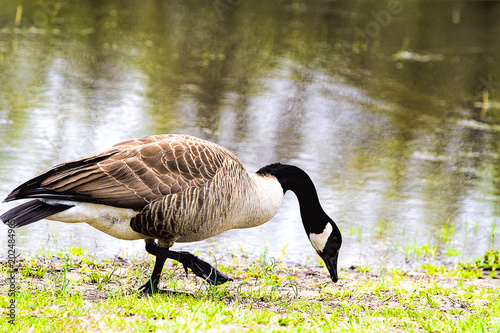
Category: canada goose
[172,188]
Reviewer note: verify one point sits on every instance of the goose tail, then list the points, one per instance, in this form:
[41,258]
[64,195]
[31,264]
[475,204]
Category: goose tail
[30,212]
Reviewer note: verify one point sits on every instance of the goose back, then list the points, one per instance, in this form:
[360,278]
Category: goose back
[182,188]
[132,173]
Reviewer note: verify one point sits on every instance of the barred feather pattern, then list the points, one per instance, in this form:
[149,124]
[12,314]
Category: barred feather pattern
[198,212]
[139,171]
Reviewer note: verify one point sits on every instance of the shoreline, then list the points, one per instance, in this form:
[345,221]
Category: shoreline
[290,297]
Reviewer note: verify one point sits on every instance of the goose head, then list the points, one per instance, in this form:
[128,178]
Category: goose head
[321,230]
[327,245]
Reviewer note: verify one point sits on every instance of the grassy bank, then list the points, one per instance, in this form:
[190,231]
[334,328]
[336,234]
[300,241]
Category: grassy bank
[73,292]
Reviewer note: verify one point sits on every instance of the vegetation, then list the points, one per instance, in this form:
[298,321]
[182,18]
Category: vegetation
[72,292]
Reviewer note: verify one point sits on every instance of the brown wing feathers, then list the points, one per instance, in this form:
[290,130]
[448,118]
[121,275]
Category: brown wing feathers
[131,174]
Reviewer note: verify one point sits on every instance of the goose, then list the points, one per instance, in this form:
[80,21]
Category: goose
[172,188]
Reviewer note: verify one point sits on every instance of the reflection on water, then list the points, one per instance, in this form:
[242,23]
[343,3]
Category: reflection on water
[393,111]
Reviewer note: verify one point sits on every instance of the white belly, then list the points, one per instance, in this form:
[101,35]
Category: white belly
[110,220]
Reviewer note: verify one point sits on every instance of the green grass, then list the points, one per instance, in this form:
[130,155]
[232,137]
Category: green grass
[73,292]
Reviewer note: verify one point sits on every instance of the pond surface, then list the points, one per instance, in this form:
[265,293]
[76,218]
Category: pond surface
[392,107]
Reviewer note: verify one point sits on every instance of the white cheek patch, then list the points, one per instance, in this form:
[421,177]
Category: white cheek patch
[319,240]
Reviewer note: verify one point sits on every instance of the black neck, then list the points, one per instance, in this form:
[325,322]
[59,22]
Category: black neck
[296,180]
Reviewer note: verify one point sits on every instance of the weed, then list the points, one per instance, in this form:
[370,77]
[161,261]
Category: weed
[491,260]
[446,232]
[383,225]
[64,272]
[357,232]
[493,227]
[431,270]
[99,278]
[425,250]
[31,268]
[363,269]
[283,251]
[360,236]
[452,252]
[469,271]
[243,254]
[398,274]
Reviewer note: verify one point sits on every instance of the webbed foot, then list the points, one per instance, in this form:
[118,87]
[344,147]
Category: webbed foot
[202,269]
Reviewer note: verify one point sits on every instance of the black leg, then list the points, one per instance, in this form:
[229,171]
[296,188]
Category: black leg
[151,247]
[199,267]
[151,286]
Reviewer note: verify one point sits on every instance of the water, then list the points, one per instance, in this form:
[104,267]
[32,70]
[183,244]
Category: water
[381,103]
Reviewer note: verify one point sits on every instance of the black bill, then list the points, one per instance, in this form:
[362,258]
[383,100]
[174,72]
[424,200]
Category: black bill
[331,264]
